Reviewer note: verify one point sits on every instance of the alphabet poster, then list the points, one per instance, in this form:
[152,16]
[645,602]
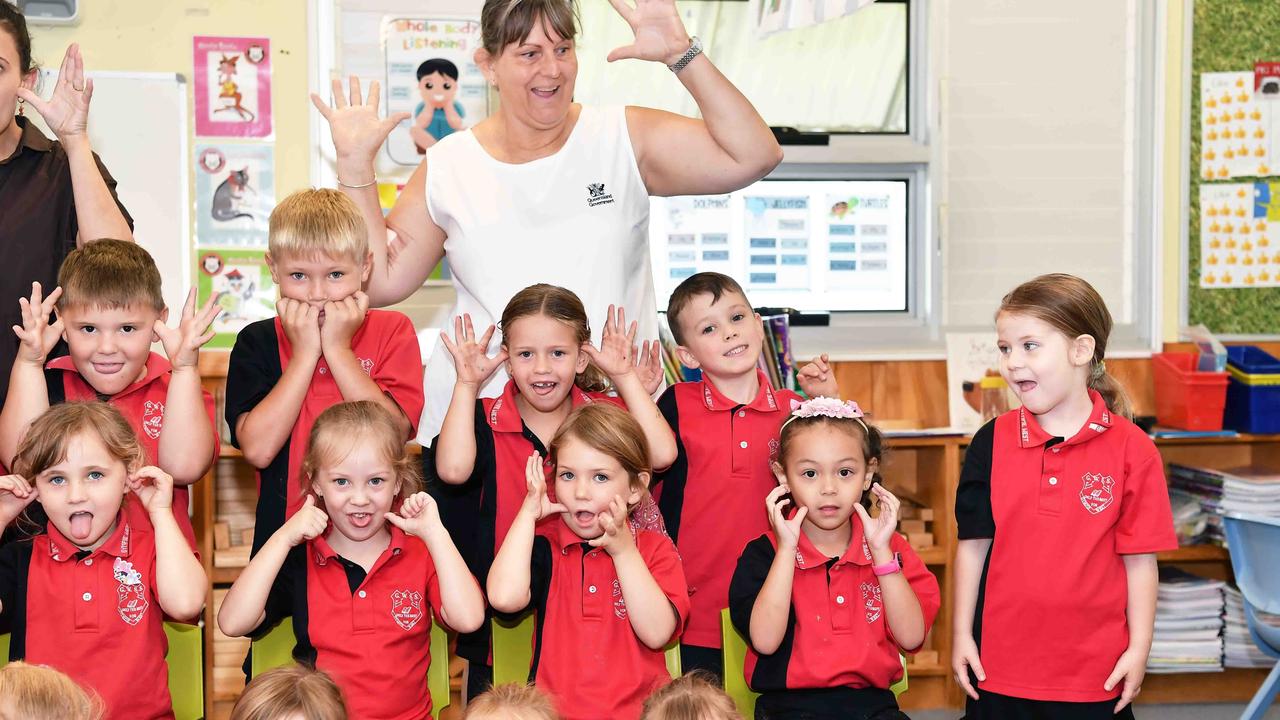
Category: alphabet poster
[235,193]
[233,87]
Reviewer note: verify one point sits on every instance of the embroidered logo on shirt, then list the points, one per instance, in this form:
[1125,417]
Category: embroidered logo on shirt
[406,608]
[152,418]
[597,196]
[872,601]
[1096,495]
[131,594]
[619,602]
[773,448]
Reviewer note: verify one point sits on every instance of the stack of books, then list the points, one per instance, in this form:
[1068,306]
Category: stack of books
[1241,652]
[1188,632]
[1250,489]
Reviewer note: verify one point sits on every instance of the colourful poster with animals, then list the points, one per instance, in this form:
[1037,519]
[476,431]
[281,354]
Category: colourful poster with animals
[1240,235]
[235,193]
[245,291]
[233,87]
[432,75]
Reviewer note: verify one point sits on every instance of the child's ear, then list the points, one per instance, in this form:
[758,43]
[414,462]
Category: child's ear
[367,268]
[686,358]
[872,468]
[583,360]
[271,265]
[164,318]
[1082,350]
[778,472]
[642,479]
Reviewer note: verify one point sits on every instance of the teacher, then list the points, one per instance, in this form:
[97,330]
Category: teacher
[54,195]
[546,189]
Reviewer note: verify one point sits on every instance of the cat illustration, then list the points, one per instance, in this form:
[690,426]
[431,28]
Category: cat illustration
[229,196]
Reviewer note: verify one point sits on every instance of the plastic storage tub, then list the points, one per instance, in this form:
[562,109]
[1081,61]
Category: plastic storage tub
[1253,391]
[1186,398]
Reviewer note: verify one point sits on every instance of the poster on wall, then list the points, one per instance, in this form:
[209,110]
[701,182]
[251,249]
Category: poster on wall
[233,86]
[1239,132]
[1240,235]
[242,281]
[976,392]
[431,74]
[235,193]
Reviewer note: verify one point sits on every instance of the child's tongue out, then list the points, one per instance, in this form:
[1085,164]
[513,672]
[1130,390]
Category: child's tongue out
[81,524]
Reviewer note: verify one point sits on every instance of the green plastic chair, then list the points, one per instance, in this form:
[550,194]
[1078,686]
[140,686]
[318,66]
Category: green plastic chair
[186,668]
[275,649]
[734,654]
[513,651]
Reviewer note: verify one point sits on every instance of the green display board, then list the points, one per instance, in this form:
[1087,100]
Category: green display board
[1228,35]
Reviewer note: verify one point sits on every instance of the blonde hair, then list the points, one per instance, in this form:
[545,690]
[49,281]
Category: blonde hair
[1074,308]
[291,690]
[563,306]
[611,430]
[511,701]
[696,696]
[503,22]
[341,426]
[36,692]
[45,443]
[318,222]
[110,274]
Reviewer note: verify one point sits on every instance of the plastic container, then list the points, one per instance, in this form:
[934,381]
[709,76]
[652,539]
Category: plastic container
[1186,398]
[1253,391]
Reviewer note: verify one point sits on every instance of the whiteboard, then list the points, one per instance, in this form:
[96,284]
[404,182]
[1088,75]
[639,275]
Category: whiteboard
[138,126]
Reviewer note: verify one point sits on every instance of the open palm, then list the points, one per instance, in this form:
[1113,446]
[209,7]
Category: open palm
[660,34]
[66,112]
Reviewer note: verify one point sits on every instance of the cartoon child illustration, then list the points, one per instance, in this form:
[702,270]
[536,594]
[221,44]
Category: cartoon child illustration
[439,114]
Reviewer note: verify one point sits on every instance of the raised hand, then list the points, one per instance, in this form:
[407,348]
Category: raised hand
[66,112]
[616,537]
[879,530]
[616,344]
[470,357]
[817,379]
[357,130]
[536,503]
[660,34]
[182,343]
[36,334]
[649,365]
[418,515]
[15,495]
[154,487]
[301,323]
[342,318]
[787,531]
[309,522]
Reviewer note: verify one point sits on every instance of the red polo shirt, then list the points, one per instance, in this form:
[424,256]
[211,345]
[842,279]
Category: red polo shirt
[387,349]
[1050,622]
[718,482]
[142,404]
[371,632]
[585,653]
[92,615]
[837,635]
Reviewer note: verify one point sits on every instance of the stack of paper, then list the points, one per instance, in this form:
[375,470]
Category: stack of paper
[1188,633]
[1240,649]
[1251,490]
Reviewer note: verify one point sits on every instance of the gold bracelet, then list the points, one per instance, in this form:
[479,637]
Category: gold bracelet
[357,187]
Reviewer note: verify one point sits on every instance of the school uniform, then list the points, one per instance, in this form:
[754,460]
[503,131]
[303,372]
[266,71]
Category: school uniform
[92,615]
[370,631]
[838,656]
[712,496]
[586,655]
[1061,513]
[387,349]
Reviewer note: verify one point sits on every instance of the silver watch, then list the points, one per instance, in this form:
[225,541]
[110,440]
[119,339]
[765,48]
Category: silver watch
[695,49]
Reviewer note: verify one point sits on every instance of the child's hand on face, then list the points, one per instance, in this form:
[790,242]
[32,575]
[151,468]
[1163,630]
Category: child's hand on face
[470,357]
[649,365]
[15,495]
[617,539]
[182,344]
[536,503]
[154,487]
[879,531]
[37,334]
[309,522]
[817,379]
[418,515]
[341,321]
[301,323]
[787,531]
[616,343]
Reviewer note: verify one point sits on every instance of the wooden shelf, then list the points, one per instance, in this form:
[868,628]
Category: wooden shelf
[1195,553]
[936,555]
[1238,439]
[224,575]
[914,671]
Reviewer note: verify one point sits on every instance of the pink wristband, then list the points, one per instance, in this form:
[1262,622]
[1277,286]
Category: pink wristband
[889,568]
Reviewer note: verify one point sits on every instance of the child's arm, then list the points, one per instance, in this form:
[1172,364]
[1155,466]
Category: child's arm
[652,617]
[28,395]
[455,449]
[265,429]
[180,580]
[244,607]
[15,495]
[617,343]
[818,379]
[186,438]
[902,610]
[772,608]
[970,557]
[1143,579]
[509,576]
[341,321]
[461,604]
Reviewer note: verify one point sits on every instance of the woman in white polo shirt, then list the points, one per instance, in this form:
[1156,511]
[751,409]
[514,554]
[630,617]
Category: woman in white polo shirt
[546,189]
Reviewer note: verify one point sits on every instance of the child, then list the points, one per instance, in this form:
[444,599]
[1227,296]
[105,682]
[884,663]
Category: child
[828,600]
[484,443]
[696,696]
[360,581]
[325,347]
[110,310]
[86,596]
[292,692]
[35,692]
[726,427]
[1053,617]
[608,598]
[511,702]
[439,114]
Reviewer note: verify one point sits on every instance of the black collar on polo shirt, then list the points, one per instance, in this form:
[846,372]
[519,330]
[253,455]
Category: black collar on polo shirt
[858,552]
[504,416]
[1032,435]
[763,402]
[323,552]
[157,365]
[31,139]
[118,544]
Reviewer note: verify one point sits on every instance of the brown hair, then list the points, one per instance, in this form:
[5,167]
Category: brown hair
[510,701]
[14,22]
[45,443]
[873,446]
[563,306]
[291,690]
[341,426]
[704,283]
[696,696]
[36,692]
[611,430]
[503,22]
[318,222]
[110,274]
[1074,308]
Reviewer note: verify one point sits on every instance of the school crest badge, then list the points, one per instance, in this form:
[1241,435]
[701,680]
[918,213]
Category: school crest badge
[152,418]
[406,608]
[619,602]
[872,601]
[1095,494]
[131,594]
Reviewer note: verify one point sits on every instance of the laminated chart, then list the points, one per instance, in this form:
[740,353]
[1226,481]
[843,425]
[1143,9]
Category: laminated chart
[1240,235]
[777,230]
[1238,134]
[698,236]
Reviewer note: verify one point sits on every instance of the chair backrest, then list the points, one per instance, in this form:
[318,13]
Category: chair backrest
[1254,543]
[513,650]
